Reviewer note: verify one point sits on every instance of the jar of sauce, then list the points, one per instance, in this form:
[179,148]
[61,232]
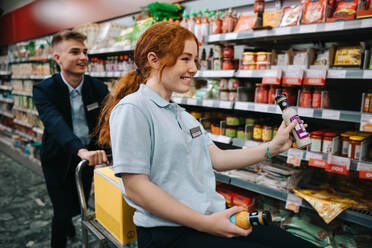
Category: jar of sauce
[329,142]
[316,141]
[227,64]
[257,132]
[345,144]
[305,98]
[228,51]
[248,58]
[354,147]
[267,133]
[317,98]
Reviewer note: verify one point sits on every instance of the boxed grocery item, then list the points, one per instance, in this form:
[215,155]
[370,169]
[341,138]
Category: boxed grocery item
[364,9]
[348,56]
[246,22]
[291,15]
[314,11]
[345,10]
[112,211]
[272,18]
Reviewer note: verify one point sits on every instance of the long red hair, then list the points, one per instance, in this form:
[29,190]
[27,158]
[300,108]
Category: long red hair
[167,41]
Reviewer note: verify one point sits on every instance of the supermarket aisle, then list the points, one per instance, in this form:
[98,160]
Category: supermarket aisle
[26,210]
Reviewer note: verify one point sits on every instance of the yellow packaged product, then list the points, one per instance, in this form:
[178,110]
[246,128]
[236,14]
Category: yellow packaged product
[272,18]
[348,56]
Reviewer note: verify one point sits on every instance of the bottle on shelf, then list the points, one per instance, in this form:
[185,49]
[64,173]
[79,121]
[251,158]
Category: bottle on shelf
[205,23]
[246,220]
[191,21]
[203,61]
[228,22]
[198,27]
[217,23]
[210,59]
[289,114]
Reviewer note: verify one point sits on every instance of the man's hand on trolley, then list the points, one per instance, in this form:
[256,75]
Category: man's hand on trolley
[94,157]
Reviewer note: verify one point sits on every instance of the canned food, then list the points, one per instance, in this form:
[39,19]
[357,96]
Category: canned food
[249,58]
[264,57]
[251,66]
[262,65]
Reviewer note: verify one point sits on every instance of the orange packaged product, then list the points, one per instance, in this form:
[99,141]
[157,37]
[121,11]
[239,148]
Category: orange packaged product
[314,11]
[346,8]
[226,193]
[271,19]
[244,199]
[291,15]
[246,22]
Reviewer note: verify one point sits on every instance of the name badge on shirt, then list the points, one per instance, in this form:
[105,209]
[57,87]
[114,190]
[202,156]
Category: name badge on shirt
[92,106]
[195,132]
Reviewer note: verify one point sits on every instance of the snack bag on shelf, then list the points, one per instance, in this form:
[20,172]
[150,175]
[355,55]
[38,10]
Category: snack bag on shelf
[314,11]
[245,22]
[291,15]
[272,19]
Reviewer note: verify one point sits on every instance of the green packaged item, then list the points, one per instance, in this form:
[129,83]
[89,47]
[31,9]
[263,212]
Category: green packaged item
[232,121]
[241,134]
[230,132]
[302,228]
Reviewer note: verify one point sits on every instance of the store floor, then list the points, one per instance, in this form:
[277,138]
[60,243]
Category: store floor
[26,211]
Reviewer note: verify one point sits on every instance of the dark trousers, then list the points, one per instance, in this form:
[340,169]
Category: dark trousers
[63,195]
[183,237]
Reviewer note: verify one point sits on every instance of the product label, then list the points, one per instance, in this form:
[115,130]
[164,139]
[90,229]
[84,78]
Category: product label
[316,145]
[299,128]
[345,147]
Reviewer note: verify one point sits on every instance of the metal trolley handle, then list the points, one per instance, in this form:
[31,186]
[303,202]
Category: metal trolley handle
[80,189]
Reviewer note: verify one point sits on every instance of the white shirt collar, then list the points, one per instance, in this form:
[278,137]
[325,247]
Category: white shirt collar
[70,88]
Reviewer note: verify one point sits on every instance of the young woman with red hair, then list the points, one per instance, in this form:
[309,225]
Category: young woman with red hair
[166,159]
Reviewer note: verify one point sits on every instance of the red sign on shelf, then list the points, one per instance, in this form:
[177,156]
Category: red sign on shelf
[338,169]
[293,76]
[315,77]
[320,163]
[272,77]
[365,170]
[365,174]
[339,165]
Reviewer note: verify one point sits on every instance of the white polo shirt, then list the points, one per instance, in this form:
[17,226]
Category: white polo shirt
[152,136]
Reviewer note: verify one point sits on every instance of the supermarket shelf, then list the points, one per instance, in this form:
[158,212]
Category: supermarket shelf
[327,114]
[3,127]
[30,111]
[7,114]
[7,100]
[5,73]
[32,59]
[108,50]
[22,158]
[113,74]
[349,215]
[220,138]
[22,123]
[331,74]
[22,93]
[6,87]
[24,135]
[35,77]
[304,32]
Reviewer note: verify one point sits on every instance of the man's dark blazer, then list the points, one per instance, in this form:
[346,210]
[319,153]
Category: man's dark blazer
[59,144]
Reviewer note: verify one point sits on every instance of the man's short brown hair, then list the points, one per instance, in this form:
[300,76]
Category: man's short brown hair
[67,35]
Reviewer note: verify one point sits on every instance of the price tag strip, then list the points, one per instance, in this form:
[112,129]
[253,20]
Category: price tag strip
[293,77]
[315,77]
[338,165]
[259,107]
[293,202]
[225,104]
[191,101]
[366,123]
[307,112]
[365,170]
[208,103]
[272,77]
[316,160]
[295,156]
[330,114]
[241,105]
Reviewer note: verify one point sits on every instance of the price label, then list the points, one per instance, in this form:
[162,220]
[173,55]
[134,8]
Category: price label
[295,156]
[241,105]
[339,165]
[223,139]
[214,37]
[225,104]
[244,73]
[313,155]
[283,30]
[365,170]
[110,74]
[317,162]
[336,74]
[231,36]
[315,77]
[331,114]
[307,112]
[177,100]
[222,73]
[366,123]
[367,74]
[207,103]
[311,28]
[334,26]
[366,23]
[293,203]
[117,74]
[191,101]
[206,73]
[260,107]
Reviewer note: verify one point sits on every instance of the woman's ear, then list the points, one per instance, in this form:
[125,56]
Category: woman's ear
[153,60]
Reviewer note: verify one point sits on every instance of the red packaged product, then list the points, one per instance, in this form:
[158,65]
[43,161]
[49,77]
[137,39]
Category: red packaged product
[226,193]
[291,15]
[317,98]
[305,98]
[346,8]
[245,22]
[314,11]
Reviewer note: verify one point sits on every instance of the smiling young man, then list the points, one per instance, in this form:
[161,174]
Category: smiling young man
[68,104]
